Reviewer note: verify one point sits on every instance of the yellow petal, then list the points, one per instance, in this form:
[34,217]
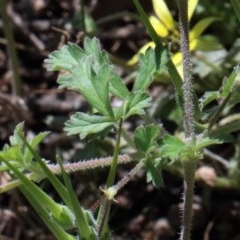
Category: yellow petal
[163,13]
[177,60]
[160,29]
[192,4]
[193,44]
[142,50]
[180,70]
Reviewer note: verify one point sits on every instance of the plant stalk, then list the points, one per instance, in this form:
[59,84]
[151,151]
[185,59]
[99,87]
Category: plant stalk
[189,165]
[113,167]
[68,168]
[104,210]
[188,176]
[187,69]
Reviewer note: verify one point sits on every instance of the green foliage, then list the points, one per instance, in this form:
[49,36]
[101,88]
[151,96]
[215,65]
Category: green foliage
[63,217]
[145,137]
[49,211]
[135,104]
[88,70]
[86,124]
[149,63]
[85,223]
[171,147]
[228,87]
[154,175]
[17,152]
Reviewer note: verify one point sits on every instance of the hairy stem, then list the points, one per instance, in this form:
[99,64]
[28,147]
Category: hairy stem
[188,176]
[187,70]
[189,165]
[68,168]
[128,177]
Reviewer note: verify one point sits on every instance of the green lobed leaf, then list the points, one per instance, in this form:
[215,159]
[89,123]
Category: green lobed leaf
[13,153]
[17,153]
[194,149]
[71,57]
[93,85]
[85,124]
[154,175]
[117,88]
[171,147]
[145,137]
[135,104]
[149,63]
[65,58]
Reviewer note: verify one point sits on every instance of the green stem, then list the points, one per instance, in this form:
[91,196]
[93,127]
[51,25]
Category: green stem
[103,219]
[104,210]
[187,69]
[113,167]
[16,80]
[188,176]
[68,168]
[106,201]
[189,165]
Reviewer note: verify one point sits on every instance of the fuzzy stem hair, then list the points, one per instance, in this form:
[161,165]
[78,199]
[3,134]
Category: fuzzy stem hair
[189,165]
[187,70]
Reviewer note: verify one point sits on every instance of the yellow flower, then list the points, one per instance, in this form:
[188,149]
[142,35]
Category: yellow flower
[166,28]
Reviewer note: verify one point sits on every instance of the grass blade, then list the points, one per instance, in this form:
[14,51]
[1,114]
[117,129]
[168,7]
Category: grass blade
[60,188]
[84,228]
[38,199]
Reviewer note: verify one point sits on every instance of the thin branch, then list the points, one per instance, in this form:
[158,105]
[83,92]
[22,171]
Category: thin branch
[69,168]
